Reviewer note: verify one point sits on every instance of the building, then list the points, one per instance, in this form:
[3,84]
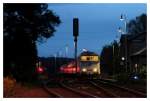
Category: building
[133,47]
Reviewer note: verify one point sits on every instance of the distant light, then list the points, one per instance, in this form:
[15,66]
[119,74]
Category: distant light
[74,69]
[95,70]
[84,70]
[136,77]
[84,50]
[61,68]
[40,70]
[122,58]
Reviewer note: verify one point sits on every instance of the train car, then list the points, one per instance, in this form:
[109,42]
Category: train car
[89,63]
[69,68]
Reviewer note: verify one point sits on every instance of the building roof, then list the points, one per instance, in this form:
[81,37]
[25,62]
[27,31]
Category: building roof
[88,53]
[139,36]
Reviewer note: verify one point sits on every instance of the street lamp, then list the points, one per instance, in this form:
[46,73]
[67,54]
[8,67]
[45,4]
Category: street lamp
[124,20]
[122,58]
[84,50]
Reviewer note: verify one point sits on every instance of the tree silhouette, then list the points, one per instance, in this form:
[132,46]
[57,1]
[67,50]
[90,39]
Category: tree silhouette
[24,25]
[106,59]
[138,25]
[110,58]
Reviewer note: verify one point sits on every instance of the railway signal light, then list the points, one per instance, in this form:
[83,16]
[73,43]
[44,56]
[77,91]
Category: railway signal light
[40,70]
[75,27]
[75,34]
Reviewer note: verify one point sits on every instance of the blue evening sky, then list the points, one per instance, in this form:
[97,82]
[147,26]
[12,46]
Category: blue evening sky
[98,24]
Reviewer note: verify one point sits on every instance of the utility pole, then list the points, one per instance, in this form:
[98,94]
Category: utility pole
[123,18]
[75,34]
[55,56]
[113,59]
[75,55]
[66,51]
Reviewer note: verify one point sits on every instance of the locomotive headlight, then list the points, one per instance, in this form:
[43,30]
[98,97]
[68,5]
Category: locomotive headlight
[95,70]
[84,70]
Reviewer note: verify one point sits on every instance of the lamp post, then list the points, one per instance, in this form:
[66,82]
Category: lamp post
[55,56]
[124,19]
[113,59]
[66,53]
[66,50]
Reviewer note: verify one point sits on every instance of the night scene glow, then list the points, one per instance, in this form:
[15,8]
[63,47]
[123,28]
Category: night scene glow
[75,50]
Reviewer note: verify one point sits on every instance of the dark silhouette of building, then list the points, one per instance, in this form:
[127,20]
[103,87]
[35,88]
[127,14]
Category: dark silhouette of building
[136,45]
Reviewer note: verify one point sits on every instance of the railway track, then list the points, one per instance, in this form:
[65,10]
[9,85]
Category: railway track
[91,89]
[51,93]
[132,87]
[118,90]
[62,91]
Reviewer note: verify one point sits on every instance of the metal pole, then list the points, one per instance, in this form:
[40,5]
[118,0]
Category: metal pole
[126,47]
[113,61]
[126,59]
[123,18]
[75,54]
[55,62]
[59,62]
[66,51]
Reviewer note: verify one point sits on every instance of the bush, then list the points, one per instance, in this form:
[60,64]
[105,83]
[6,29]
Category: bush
[143,72]
[9,84]
[122,77]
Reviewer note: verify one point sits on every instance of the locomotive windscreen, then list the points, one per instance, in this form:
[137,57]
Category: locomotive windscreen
[89,58]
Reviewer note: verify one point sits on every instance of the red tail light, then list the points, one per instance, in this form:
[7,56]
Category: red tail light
[40,70]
